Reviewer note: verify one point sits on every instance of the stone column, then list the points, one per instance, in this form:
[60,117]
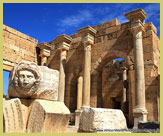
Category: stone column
[124,93]
[79,101]
[44,52]
[137,27]
[87,34]
[63,54]
[44,56]
[62,43]
[79,94]
[87,68]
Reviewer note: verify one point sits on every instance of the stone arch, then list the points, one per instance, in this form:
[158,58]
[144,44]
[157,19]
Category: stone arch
[109,55]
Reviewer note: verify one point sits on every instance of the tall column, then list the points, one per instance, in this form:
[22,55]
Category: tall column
[79,93]
[44,52]
[87,68]
[87,34]
[61,88]
[137,27]
[124,93]
[62,43]
[79,101]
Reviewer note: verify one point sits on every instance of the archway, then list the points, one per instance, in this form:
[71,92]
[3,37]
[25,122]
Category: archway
[107,83]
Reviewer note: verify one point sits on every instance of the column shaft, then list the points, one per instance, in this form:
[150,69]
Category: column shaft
[86,82]
[139,71]
[124,78]
[43,60]
[61,88]
[79,94]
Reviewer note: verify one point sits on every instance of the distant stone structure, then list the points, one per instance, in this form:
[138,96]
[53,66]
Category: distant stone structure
[32,104]
[89,76]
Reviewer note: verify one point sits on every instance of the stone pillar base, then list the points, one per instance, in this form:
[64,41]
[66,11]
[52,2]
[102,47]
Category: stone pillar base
[77,117]
[139,115]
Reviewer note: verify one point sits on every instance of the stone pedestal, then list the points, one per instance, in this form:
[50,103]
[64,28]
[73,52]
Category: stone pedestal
[77,117]
[98,119]
[139,115]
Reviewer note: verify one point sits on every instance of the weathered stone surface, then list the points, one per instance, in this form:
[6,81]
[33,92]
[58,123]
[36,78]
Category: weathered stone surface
[17,46]
[28,80]
[13,119]
[112,40]
[93,119]
[48,116]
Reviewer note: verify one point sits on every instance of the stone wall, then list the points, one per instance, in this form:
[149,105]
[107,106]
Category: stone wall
[17,46]
[112,40]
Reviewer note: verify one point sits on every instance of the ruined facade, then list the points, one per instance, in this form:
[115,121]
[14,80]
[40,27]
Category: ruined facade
[88,72]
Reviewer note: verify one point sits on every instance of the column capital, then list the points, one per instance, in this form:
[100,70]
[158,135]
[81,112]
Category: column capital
[44,49]
[136,16]
[62,42]
[87,34]
[137,29]
[44,53]
[44,45]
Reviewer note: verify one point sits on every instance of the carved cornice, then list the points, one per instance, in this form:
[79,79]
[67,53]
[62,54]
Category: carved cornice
[87,34]
[45,53]
[62,42]
[135,15]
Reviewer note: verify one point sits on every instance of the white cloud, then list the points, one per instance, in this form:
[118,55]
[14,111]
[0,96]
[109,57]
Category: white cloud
[75,20]
[93,15]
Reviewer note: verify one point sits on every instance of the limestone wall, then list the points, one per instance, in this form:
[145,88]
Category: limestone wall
[17,46]
[112,40]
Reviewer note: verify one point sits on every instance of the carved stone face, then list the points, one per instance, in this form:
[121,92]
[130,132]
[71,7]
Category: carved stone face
[26,79]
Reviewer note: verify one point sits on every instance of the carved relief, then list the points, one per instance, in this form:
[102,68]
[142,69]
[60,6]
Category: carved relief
[26,79]
[112,36]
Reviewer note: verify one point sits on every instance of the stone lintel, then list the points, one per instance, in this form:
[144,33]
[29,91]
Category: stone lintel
[44,45]
[45,53]
[138,14]
[87,30]
[63,39]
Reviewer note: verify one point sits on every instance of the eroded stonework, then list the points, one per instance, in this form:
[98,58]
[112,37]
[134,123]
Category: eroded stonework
[95,119]
[28,80]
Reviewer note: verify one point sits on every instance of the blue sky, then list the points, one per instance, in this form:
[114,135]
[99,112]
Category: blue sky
[46,21]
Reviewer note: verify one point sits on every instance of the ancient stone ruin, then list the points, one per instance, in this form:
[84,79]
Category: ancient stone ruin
[91,88]
[32,105]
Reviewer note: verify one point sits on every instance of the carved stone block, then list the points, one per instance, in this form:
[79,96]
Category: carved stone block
[48,116]
[13,119]
[28,80]
[94,119]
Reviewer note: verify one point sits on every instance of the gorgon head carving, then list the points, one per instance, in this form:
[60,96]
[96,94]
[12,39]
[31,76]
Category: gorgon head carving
[27,78]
